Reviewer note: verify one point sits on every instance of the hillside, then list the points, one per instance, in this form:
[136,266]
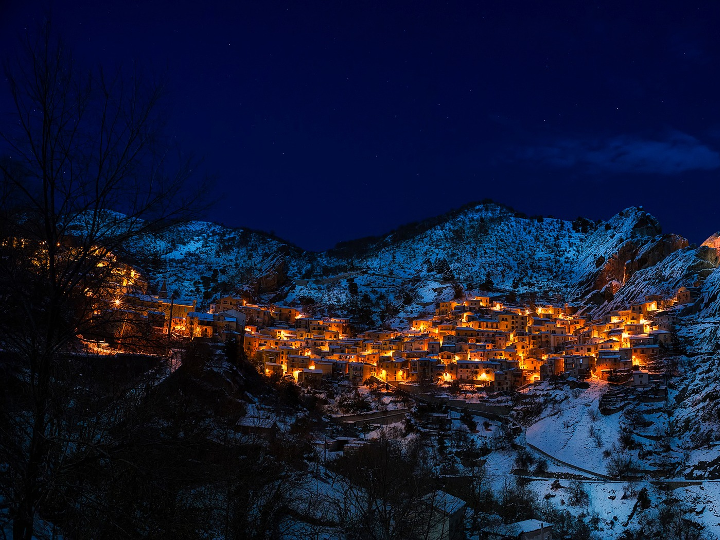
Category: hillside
[684,267]
[201,260]
[600,266]
[399,275]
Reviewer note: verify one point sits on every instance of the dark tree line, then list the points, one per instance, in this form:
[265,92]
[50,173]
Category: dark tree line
[83,174]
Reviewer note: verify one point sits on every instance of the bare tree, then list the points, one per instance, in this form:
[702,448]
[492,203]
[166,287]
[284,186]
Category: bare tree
[387,491]
[84,175]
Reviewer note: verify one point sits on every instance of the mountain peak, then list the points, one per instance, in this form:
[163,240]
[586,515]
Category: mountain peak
[636,222]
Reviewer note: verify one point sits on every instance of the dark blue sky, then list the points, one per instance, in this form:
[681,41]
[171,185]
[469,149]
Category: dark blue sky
[326,121]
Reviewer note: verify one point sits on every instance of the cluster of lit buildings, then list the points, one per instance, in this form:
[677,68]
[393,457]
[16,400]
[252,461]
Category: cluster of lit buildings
[129,319]
[478,341]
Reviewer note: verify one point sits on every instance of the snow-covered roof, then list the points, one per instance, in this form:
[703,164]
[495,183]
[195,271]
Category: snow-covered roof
[530,525]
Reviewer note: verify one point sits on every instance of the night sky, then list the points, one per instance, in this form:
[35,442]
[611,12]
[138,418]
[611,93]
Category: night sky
[326,121]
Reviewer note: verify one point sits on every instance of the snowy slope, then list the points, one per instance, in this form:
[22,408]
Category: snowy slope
[709,301]
[201,259]
[682,268]
[404,274]
[490,244]
[696,411]
[516,252]
[575,432]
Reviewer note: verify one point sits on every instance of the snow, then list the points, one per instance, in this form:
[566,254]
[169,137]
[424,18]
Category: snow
[517,253]
[679,269]
[529,525]
[705,500]
[564,432]
[467,247]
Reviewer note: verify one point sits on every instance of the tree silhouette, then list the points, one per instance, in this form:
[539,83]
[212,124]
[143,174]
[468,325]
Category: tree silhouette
[84,175]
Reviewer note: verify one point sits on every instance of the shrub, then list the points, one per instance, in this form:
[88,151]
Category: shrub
[541,467]
[578,495]
[467,419]
[620,465]
[524,459]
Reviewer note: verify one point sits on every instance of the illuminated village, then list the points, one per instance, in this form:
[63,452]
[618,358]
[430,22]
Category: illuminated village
[480,342]
[351,271]
[495,391]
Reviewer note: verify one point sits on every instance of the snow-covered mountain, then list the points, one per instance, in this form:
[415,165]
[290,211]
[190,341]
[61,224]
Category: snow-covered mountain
[602,265]
[401,274]
[201,260]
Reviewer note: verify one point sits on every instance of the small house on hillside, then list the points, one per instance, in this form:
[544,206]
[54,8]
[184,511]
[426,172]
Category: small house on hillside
[529,529]
[446,515]
[641,378]
[532,529]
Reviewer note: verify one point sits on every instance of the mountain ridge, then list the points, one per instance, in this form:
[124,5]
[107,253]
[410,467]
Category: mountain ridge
[485,248]
[480,246]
